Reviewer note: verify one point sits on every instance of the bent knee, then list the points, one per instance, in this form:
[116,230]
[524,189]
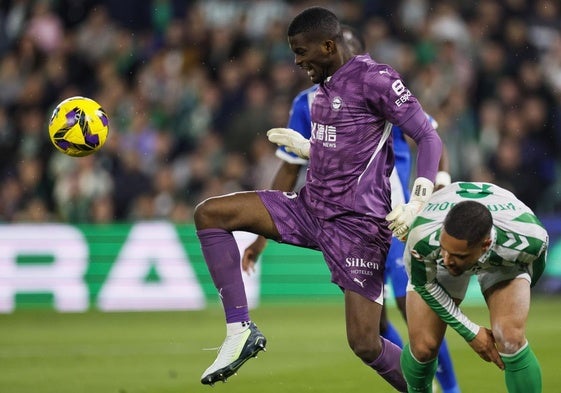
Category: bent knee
[509,340]
[424,351]
[205,214]
[367,350]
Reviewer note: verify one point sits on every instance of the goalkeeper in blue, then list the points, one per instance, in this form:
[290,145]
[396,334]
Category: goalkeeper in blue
[470,229]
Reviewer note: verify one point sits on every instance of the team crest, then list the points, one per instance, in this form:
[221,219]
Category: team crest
[337,103]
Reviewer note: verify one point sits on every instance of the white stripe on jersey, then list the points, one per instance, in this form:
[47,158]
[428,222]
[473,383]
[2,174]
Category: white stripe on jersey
[398,194]
[385,135]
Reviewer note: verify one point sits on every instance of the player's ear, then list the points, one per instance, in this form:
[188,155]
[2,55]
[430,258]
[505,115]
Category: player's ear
[486,244]
[329,47]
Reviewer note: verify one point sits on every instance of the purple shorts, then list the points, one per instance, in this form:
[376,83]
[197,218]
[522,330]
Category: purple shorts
[354,246]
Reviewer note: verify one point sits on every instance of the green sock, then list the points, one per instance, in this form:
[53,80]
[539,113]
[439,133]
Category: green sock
[523,373]
[418,375]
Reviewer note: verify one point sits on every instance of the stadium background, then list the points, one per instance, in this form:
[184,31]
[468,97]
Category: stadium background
[190,88]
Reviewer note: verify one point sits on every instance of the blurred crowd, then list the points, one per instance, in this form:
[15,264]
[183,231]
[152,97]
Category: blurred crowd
[191,87]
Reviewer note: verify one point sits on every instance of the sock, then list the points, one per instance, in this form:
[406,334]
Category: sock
[392,334]
[523,373]
[445,370]
[223,261]
[387,365]
[419,375]
[236,328]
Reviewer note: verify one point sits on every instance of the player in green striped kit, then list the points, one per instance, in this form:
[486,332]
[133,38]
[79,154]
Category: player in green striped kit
[470,229]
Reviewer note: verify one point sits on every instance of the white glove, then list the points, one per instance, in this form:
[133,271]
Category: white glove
[402,216]
[292,140]
[443,179]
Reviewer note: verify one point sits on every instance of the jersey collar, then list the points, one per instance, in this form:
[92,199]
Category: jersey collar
[483,258]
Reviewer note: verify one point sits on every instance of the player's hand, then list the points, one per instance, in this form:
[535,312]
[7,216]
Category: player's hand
[251,254]
[484,345]
[292,140]
[402,216]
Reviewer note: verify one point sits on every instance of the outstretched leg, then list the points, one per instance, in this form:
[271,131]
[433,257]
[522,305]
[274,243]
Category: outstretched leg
[215,220]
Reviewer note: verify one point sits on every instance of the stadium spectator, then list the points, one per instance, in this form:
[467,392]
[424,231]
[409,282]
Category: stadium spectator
[130,182]
[499,51]
[77,188]
[45,27]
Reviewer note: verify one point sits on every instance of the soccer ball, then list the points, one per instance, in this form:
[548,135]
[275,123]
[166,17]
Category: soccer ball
[78,126]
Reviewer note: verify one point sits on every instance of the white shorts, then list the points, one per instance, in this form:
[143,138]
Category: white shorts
[456,286]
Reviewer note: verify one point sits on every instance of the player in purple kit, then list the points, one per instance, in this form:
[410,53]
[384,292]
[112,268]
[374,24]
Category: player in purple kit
[342,208]
[287,179]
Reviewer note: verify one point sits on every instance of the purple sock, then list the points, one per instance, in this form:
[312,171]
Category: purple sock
[223,261]
[388,366]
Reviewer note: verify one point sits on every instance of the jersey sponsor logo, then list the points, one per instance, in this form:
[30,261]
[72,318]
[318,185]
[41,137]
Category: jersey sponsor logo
[337,103]
[443,206]
[501,207]
[325,134]
[360,262]
[404,94]
[361,266]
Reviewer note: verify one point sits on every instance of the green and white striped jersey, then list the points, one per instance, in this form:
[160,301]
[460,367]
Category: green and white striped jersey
[518,239]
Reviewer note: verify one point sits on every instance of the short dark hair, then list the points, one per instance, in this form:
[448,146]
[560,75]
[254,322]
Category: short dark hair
[318,21]
[468,220]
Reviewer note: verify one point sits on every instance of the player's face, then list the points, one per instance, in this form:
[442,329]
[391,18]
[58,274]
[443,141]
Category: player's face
[313,56]
[457,256]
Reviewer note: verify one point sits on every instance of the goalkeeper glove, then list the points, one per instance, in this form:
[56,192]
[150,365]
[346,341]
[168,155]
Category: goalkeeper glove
[292,140]
[442,180]
[402,216]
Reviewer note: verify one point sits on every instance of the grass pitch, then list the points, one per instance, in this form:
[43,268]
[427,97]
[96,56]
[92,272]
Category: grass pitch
[47,352]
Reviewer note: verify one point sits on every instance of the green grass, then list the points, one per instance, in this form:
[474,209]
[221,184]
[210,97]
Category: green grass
[47,352]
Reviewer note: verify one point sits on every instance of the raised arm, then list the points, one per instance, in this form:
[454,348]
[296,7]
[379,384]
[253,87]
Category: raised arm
[429,150]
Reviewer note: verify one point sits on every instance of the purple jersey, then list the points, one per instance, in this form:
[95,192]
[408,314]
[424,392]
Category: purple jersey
[351,154]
